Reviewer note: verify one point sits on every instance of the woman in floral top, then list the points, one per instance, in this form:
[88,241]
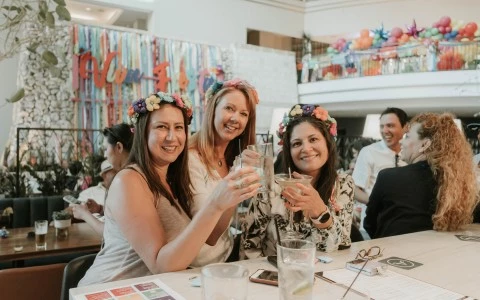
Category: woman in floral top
[323,210]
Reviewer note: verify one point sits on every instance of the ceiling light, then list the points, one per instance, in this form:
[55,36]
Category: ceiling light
[88,8]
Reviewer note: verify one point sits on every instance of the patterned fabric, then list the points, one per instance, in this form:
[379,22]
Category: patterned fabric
[259,236]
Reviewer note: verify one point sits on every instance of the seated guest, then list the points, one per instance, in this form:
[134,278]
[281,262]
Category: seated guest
[148,224]
[117,142]
[437,190]
[323,210]
[228,127]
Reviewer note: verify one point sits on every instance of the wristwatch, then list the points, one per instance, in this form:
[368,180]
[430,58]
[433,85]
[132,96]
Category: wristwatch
[322,219]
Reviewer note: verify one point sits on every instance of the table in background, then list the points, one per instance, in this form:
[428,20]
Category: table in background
[81,238]
[447,262]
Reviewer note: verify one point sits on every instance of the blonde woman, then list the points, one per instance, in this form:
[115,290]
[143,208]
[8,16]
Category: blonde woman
[228,127]
[437,190]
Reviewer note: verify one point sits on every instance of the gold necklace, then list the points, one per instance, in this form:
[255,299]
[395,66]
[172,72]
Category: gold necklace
[220,164]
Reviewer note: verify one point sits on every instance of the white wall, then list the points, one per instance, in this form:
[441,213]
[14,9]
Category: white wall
[351,19]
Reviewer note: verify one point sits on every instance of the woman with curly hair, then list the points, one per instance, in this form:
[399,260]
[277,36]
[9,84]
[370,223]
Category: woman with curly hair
[437,190]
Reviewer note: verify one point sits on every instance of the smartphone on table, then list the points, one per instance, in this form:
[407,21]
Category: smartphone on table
[70,199]
[370,269]
[265,277]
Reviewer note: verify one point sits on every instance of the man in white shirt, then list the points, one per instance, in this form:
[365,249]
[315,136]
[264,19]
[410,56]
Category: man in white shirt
[94,197]
[380,155]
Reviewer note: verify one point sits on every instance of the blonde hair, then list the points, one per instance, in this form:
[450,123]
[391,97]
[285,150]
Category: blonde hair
[450,159]
[204,140]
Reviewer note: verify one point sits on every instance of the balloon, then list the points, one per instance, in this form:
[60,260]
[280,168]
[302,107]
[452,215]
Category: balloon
[434,31]
[428,34]
[441,29]
[470,28]
[448,29]
[396,32]
[364,33]
[445,21]
[453,33]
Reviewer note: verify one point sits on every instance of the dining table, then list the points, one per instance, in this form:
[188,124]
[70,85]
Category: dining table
[449,261]
[20,243]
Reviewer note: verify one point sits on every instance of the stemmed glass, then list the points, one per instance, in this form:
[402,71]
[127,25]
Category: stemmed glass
[285,180]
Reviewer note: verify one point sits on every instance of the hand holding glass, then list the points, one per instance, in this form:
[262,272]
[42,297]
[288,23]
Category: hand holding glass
[285,180]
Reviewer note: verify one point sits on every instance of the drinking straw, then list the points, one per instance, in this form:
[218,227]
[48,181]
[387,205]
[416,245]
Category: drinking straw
[265,150]
[240,152]
[289,173]
[278,232]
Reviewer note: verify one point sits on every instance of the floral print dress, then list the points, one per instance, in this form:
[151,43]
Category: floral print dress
[259,235]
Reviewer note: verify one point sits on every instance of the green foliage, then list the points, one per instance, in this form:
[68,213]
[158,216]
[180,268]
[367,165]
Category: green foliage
[61,215]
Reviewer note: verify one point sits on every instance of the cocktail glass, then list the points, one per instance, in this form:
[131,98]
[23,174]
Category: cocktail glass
[285,180]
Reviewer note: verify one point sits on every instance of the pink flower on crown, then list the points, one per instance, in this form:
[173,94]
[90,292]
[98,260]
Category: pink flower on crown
[333,129]
[178,100]
[233,83]
[320,113]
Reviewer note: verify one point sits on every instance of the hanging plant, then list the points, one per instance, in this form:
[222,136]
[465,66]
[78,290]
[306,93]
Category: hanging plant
[32,27]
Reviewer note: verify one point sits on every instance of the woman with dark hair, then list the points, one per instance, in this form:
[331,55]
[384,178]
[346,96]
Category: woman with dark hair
[117,143]
[228,127]
[323,209]
[148,224]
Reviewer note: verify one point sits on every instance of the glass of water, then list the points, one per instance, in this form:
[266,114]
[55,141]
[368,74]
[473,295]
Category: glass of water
[224,282]
[295,259]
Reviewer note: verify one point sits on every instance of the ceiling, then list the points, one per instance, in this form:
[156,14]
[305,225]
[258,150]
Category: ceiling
[102,15]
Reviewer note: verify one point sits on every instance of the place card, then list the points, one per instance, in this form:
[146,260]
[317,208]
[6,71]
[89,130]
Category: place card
[468,238]
[401,263]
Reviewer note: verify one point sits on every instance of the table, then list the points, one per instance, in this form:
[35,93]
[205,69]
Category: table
[447,261]
[81,238]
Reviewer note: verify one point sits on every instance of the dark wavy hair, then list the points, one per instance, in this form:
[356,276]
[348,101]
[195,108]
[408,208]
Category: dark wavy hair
[178,175]
[120,133]
[400,113]
[328,174]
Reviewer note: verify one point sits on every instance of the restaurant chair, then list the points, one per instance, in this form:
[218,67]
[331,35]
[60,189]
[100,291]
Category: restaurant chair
[74,271]
[39,282]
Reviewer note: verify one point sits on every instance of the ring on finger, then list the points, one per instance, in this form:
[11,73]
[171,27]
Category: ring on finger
[238,184]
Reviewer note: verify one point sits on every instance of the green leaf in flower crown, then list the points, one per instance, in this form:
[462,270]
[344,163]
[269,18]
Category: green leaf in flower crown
[60,2]
[63,13]
[18,95]
[49,57]
[50,19]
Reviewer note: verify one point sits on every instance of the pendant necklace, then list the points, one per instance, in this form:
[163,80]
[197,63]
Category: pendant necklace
[220,164]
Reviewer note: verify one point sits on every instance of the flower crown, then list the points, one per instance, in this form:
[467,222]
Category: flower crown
[306,110]
[144,105]
[235,83]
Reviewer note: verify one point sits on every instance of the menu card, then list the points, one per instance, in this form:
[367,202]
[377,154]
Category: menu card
[148,290]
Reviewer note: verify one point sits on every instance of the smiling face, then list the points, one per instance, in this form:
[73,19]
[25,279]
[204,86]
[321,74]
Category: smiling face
[166,135]
[231,116]
[391,130]
[308,149]
[412,146]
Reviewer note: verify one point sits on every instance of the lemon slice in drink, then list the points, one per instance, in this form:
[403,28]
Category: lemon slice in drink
[302,289]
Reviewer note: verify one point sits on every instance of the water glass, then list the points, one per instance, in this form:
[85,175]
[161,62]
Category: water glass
[41,229]
[224,282]
[295,260]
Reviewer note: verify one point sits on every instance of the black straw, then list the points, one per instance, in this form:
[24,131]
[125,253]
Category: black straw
[279,241]
[240,152]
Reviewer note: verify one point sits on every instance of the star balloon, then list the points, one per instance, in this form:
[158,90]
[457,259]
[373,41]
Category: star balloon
[382,33]
[414,30]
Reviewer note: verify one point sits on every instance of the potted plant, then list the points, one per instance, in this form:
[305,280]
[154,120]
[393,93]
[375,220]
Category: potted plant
[62,219]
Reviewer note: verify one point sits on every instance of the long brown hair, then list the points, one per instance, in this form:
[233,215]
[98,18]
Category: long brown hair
[328,174]
[204,140]
[178,176]
[450,159]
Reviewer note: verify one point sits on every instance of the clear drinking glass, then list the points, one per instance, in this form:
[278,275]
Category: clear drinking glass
[285,180]
[295,260]
[41,229]
[224,282]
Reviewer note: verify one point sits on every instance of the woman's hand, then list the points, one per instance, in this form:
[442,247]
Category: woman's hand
[249,157]
[79,211]
[304,198]
[235,187]
[94,207]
